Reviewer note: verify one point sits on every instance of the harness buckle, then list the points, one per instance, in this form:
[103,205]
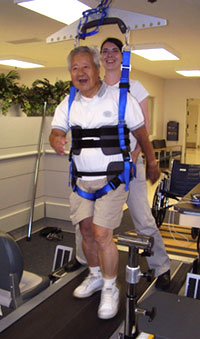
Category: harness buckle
[129,67]
[125,154]
[70,155]
[121,122]
[114,183]
[124,85]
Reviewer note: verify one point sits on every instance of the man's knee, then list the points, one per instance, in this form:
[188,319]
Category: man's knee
[86,228]
[103,236]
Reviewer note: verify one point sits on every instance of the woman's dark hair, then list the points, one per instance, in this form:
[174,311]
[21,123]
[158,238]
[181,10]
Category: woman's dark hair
[115,41]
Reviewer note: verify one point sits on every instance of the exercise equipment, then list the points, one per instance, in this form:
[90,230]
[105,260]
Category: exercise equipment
[133,20]
[16,285]
[133,275]
[62,255]
[176,316]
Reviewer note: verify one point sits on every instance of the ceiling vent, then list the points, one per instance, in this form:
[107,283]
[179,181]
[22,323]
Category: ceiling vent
[24,41]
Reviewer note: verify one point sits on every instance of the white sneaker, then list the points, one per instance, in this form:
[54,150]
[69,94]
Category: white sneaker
[109,304]
[89,286]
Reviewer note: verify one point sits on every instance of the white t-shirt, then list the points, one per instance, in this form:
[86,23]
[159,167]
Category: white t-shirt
[101,110]
[138,91]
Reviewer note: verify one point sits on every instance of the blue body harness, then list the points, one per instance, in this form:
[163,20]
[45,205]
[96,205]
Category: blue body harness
[125,175]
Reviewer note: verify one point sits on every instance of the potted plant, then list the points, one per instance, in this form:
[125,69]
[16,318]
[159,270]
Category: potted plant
[10,91]
[43,91]
[31,100]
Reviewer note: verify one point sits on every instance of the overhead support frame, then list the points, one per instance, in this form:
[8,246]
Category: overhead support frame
[133,20]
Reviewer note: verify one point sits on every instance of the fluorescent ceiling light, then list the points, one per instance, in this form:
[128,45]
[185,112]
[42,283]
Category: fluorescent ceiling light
[19,63]
[66,11]
[189,73]
[154,52]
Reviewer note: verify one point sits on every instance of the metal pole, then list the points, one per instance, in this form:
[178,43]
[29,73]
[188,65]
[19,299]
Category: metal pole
[37,164]
[131,300]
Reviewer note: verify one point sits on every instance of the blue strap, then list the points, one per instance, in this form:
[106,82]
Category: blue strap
[101,9]
[104,190]
[122,108]
[99,193]
[72,94]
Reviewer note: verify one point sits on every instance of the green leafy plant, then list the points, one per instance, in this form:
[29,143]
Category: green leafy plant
[10,91]
[43,91]
[31,99]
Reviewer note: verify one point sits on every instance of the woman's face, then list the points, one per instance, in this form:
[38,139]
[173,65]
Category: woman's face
[111,56]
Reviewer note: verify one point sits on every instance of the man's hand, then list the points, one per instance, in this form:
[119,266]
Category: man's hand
[152,171]
[134,155]
[58,140]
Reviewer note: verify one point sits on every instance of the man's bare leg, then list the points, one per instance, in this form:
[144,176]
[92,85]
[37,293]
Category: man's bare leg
[108,258]
[88,243]
[94,281]
[107,251]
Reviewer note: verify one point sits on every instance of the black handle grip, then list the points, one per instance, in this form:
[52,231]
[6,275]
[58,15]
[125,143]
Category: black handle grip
[106,21]
[151,314]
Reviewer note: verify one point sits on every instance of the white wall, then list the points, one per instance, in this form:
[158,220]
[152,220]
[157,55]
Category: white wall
[18,150]
[176,93]
[18,155]
[155,87]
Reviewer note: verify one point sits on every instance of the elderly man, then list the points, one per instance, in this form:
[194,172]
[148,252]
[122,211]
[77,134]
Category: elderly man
[96,106]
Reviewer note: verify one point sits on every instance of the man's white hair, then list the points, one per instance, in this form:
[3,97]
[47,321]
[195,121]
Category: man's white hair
[93,51]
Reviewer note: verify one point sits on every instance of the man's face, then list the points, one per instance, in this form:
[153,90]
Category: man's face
[85,74]
[111,56]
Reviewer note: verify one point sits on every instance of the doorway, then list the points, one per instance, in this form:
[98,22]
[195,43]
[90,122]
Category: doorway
[192,122]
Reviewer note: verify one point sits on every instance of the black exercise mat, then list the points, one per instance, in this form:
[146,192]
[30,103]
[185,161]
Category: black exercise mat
[62,316]
[38,253]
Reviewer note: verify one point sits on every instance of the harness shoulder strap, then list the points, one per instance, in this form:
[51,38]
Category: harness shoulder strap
[124,87]
[72,94]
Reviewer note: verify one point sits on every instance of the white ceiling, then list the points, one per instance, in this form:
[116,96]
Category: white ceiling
[23,34]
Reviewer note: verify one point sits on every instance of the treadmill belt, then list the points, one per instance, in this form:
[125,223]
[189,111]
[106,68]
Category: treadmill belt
[62,316]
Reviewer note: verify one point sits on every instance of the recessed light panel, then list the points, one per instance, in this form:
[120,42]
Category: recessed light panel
[19,63]
[66,11]
[189,73]
[155,54]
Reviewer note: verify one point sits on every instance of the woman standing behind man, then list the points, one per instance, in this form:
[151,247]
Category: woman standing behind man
[111,58]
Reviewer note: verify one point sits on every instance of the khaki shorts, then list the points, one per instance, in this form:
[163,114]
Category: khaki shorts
[106,211]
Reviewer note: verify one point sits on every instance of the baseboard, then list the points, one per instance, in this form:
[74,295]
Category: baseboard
[22,232]
[57,210]
[20,218]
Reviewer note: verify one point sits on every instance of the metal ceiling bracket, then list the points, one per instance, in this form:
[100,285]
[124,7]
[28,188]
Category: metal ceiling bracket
[134,20]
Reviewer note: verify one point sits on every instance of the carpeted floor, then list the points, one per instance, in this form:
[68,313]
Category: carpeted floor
[38,253]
